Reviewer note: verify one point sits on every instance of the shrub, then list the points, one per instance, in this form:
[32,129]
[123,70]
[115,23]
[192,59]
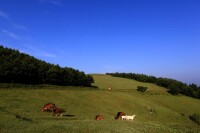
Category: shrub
[195,118]
[142,88]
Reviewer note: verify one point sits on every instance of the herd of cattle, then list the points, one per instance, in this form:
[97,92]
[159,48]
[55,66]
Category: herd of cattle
[120,115]
[50,107]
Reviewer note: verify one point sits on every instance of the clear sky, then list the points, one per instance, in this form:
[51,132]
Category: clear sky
[152,37]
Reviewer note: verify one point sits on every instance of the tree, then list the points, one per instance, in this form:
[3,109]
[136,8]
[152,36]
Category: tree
[142,88]
[16,67]
[173,89]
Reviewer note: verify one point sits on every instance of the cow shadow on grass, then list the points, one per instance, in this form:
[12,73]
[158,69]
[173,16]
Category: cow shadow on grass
[60,117]
[23,118]
[70,116]
[17,116]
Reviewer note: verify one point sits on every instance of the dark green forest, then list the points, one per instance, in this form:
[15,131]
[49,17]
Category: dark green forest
[16,67]
[174,87]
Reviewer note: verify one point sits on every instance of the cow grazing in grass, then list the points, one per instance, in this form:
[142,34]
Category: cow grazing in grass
[119,115]
[127,117]
[124,117]
[99,117]
[57,112]
[48,107]
[110,88]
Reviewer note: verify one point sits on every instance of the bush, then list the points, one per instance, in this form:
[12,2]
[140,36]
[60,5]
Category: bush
[142,88]
[195,118]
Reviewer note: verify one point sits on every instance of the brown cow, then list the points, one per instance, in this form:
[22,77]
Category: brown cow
[119,115]
[48,107]
[99,117]
[57,111]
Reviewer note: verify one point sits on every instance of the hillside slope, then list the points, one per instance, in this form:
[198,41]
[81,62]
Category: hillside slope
[157,99]
[156,111]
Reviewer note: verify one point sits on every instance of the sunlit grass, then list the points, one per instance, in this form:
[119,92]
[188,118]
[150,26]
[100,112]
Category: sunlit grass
[156,111]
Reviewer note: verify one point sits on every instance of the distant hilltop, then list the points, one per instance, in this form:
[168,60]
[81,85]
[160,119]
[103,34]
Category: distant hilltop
[174,87]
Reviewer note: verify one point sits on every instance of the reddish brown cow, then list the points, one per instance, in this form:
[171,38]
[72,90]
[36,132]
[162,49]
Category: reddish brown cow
[119,115]
[99,117]
[57,111]
[48,107]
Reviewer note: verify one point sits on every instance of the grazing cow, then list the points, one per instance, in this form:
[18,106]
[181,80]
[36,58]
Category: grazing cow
[124,117]
[48,107]
[119,115]
[127,117]
[130,117]
[110,88]
[99,117]
[57,111]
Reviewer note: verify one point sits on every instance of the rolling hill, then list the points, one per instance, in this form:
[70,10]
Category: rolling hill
[156,111]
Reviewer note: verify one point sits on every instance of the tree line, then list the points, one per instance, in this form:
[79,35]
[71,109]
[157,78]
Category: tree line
[16,67]
[174,87]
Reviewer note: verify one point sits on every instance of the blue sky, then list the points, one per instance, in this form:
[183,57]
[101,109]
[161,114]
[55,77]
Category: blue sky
[153,37]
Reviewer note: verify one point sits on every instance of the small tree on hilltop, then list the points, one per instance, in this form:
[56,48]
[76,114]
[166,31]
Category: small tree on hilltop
[142,88]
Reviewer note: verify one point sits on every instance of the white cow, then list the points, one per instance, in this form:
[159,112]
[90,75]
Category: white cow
[127,117]
[124,117]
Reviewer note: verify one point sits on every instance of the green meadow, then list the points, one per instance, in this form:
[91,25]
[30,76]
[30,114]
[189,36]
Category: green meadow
[156,111]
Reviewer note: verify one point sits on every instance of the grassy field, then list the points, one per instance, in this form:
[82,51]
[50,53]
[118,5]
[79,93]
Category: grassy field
[156,111]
